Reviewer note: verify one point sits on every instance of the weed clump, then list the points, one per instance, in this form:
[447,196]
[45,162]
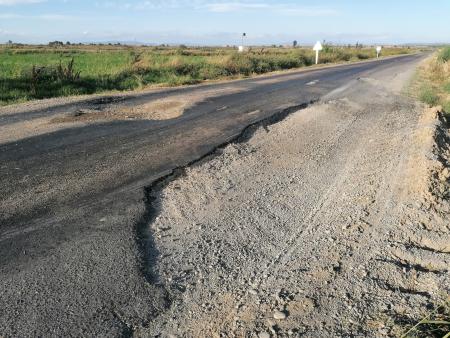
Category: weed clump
[435,324]
[444,55]
[428,95]
[435,76]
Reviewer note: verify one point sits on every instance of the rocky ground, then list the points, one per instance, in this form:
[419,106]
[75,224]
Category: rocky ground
[331,222]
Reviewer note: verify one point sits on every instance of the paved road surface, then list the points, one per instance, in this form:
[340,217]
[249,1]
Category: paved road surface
[74,202]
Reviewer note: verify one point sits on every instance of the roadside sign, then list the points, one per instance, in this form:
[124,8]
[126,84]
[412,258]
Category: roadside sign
[317,48]
[378,51]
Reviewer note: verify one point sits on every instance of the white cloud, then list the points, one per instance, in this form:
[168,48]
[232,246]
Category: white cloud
[234,6]
[283,9]
[6,16]
[218,6]
[307,11]
[50,17]
[148,4]
[19,2]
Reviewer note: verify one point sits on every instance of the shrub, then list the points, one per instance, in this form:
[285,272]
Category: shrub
[447,87]
[446,108]
[444,55]
[428,95]
[186,68]
[362,56]
[238,64]
[67,73]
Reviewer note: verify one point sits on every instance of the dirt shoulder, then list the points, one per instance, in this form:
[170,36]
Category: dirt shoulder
[332,222]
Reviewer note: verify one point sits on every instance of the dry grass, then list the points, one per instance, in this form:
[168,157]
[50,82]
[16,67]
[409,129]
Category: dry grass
[434,325]
[433,81]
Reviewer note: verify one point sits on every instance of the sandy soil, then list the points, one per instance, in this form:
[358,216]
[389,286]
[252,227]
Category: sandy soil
[166,108]
[333,222]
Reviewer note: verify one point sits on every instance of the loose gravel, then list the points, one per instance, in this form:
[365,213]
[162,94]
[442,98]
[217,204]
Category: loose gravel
[310,227]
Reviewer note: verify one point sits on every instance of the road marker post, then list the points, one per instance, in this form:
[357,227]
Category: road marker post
[317,48]
[378,51]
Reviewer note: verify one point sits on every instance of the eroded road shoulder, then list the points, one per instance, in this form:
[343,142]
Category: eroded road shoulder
[311,226]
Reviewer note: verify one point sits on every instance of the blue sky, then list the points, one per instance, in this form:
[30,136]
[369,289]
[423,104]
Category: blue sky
[219,22]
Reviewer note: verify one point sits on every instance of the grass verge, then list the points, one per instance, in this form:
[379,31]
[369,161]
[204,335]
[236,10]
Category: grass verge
[433,81]
[432,86]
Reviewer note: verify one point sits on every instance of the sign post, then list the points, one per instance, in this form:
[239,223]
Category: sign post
[317,48]
[241,48]
[378,51]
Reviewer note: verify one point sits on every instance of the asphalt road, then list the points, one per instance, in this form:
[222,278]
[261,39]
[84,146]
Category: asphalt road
[75,259]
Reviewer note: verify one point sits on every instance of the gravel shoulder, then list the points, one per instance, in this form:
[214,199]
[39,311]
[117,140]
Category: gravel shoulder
[332,222]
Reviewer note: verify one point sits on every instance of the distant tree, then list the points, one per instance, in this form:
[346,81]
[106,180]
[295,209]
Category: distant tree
[68,43]
[55,43]
[10,42]
[295,43]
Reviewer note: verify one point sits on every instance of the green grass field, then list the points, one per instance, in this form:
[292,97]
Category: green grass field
[36,72]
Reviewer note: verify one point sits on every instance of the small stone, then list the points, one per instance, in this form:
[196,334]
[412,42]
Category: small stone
[264,335]
[279,315]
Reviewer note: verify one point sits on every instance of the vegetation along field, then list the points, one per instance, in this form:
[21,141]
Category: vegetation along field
[35,72]
[434,80]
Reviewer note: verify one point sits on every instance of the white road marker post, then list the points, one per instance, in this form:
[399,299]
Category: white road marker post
[317,48]
[378,51]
